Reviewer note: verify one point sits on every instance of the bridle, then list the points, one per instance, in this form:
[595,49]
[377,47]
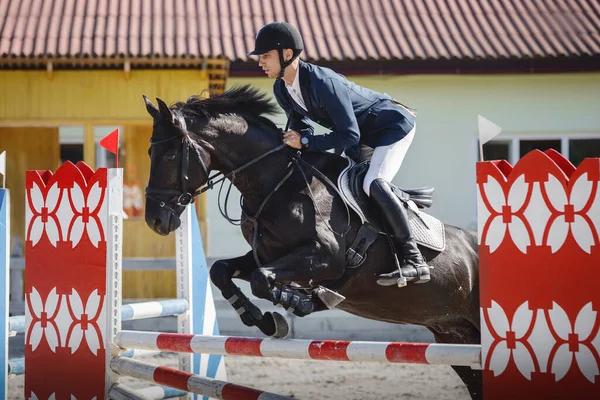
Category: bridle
[186,197]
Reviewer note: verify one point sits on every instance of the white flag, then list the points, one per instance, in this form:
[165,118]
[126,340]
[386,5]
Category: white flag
[487,129]
[3,163]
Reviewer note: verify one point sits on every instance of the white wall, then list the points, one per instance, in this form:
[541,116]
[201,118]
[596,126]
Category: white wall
[443,153]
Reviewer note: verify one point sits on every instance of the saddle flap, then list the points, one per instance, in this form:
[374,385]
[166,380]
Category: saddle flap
[421,192]
[422,197]
[427,230]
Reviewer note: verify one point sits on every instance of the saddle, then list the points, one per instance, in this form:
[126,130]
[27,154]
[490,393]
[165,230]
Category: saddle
[427,230]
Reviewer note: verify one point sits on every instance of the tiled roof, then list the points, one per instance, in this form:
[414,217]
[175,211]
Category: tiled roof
[332,29]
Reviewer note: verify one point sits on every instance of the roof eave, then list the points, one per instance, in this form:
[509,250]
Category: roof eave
[396,66]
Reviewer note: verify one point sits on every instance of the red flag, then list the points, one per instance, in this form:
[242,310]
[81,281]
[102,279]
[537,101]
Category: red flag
[111,143]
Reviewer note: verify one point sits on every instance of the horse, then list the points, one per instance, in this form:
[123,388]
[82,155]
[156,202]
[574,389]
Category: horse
[297,225]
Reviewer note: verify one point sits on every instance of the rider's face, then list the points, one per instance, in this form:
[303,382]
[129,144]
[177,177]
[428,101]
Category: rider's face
[269,62]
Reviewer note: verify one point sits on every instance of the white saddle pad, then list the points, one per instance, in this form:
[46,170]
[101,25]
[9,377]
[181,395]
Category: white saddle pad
[427,230]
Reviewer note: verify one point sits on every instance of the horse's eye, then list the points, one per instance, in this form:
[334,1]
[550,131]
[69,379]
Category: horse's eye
[171,157]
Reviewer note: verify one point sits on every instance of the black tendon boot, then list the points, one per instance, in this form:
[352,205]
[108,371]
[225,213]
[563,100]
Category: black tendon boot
[395,216]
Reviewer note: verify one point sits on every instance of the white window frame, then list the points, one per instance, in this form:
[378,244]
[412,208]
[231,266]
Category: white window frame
[73,139]
[515,138]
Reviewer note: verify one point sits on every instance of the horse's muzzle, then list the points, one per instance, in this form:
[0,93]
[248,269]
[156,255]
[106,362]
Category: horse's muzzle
[161,220]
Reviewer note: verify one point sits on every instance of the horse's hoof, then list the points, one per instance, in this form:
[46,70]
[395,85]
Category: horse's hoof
[266,324]
[274,325]
[282,329]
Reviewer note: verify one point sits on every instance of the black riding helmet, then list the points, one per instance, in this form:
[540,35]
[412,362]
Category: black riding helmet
[278,36]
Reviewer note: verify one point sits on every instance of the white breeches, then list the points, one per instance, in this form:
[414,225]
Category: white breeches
[386,160]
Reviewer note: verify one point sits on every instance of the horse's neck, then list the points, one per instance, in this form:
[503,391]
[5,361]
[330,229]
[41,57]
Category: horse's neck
[257,180]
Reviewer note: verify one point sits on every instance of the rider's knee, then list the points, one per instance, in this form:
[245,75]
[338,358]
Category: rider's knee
[377,186]
[367,185]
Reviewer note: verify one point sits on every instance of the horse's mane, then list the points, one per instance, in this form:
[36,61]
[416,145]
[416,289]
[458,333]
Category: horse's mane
[244,100]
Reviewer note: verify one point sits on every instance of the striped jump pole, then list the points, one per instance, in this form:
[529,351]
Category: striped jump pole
[4,279]
[333,350]
[73,244]
[191,383]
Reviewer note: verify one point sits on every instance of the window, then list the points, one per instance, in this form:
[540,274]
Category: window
[580,149]
[526,146]
[70,139]
[496,150]
[71,152]
[574,148]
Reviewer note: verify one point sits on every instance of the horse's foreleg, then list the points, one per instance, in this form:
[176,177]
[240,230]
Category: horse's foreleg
[222,273]
[462,332]
[305,263]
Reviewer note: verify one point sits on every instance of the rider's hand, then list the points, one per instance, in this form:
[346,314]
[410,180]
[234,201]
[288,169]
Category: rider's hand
[292,139]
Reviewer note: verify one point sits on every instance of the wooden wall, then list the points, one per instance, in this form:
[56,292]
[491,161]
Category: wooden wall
[88,98]
[97,95]
[26,149]
[140,240]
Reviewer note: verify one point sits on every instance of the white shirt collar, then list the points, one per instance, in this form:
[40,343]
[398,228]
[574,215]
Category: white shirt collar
[294,90]
[296,82]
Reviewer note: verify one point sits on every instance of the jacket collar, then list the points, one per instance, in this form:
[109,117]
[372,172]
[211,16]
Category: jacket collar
[304,75]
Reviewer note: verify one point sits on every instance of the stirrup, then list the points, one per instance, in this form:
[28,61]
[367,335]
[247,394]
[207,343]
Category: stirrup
[394,278]
[416,274]
[391,279]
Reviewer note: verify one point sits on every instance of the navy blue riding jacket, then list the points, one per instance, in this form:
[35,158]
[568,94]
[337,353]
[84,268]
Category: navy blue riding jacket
[355,115]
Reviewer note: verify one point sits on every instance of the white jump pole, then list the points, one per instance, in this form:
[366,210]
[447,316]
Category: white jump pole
[4,279]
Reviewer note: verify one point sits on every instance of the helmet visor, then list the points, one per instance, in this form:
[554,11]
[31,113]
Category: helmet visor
[258,52]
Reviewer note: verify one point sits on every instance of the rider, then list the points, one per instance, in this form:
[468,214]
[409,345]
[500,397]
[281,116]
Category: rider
[359,118]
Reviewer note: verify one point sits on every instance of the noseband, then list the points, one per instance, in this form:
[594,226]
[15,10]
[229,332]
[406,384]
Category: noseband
[184,196]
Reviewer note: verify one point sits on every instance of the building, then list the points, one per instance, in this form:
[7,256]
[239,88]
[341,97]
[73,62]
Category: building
[72,71]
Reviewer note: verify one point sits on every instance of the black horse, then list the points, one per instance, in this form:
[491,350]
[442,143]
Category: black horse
[297,225]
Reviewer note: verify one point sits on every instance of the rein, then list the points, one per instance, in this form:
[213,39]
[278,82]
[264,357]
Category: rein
[186,197]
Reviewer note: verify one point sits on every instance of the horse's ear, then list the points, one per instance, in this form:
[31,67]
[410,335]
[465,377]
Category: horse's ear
[152,110]
[165,112]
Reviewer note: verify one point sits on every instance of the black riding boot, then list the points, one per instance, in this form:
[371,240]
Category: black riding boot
[395,216]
